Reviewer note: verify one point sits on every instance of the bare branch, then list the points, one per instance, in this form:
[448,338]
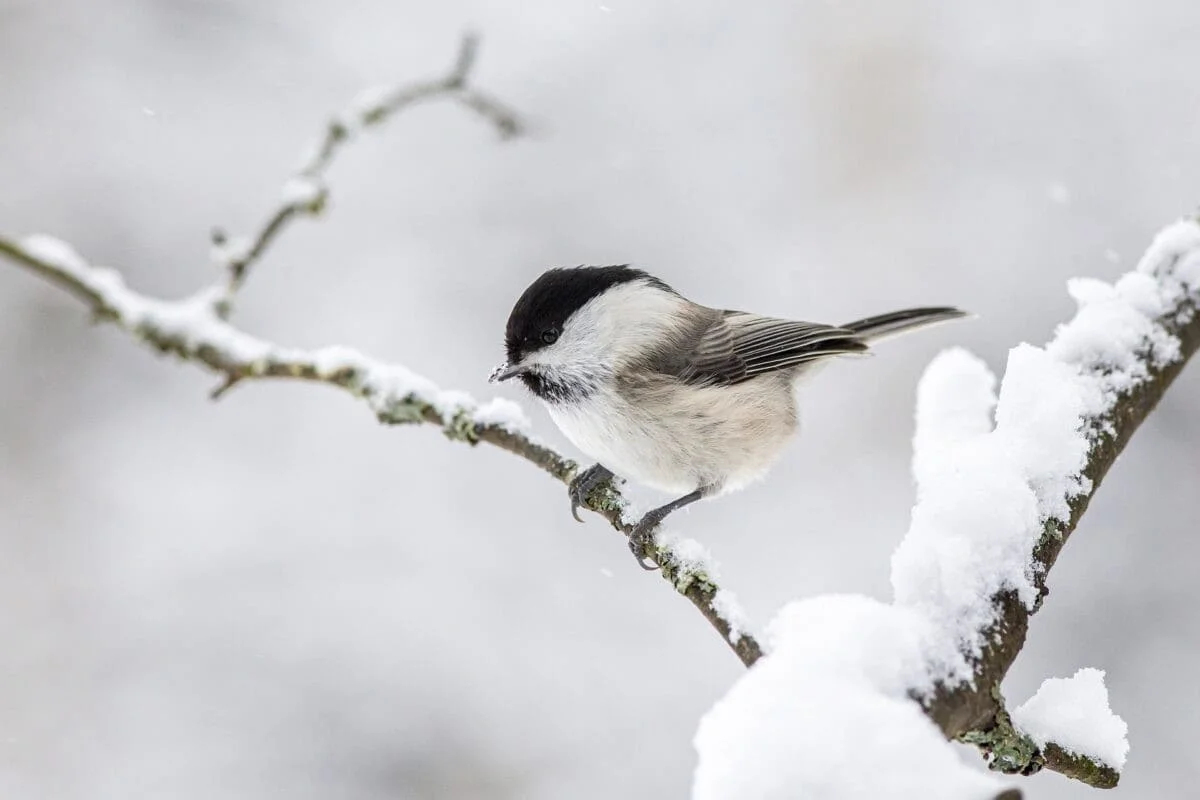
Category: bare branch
[306,193]
[191,330]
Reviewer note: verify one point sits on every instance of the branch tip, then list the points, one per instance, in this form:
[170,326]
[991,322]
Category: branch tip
[231,381]
[305,192]
[468,50]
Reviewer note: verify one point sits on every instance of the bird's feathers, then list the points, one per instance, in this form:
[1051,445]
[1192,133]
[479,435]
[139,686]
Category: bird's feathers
[883,326]
[557,294]
[668,392]
[738,346]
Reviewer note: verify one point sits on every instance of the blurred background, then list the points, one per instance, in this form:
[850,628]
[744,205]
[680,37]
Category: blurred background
[274,597]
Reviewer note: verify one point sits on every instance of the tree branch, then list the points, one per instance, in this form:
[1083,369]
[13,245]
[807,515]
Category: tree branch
[191,330]
[306,194]
[975,712]
[1012,752]
[1002,479]
[196,329]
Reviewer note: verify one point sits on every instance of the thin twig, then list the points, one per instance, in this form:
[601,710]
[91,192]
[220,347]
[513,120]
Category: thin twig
[306,193]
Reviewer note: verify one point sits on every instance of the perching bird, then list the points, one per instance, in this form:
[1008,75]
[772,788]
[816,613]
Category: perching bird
[675,395]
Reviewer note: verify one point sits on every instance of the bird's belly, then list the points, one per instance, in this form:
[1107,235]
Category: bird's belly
[630,447]
[721,444]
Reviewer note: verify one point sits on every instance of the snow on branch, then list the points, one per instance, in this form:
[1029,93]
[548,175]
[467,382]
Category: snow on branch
[1065,413]
[1073,714]
[196,329]
[192,330]
[996,502]
[857,696]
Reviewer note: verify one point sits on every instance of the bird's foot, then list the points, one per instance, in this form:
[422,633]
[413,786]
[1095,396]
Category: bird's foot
[583,484]
[641,539]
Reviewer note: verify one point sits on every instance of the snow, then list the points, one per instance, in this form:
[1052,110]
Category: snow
[696,562]
[301,192]
[826,715]
[693,559]
[726,604]
[955,402]
[1043,431]
[1174,258]
[334,358]
[503,413]
[1124,312]
[692,556]
[450,402]
[231,250]
[1074,714]
[193,322]
[828,711]
[984,496]
[370,102]
[54,251]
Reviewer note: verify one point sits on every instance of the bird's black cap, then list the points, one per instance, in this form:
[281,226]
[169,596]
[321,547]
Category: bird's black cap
[557,294]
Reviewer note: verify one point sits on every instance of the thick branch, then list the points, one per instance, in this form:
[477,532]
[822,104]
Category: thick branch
[976,711]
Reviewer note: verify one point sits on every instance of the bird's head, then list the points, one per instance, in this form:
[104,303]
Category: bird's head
[572,327]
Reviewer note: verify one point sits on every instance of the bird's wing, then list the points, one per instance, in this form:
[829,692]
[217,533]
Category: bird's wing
[737,346]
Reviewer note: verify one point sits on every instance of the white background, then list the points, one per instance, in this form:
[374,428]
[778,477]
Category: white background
[273,597]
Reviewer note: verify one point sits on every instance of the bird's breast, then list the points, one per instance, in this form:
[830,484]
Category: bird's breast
[677,438]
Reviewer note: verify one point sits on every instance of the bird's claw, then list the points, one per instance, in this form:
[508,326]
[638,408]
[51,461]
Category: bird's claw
[582,486]
[641,538]
[641,541]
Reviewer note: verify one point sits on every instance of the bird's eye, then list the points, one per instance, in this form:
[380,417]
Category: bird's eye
[549,336]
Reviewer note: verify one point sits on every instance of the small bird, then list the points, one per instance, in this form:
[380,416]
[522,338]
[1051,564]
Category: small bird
[683,398]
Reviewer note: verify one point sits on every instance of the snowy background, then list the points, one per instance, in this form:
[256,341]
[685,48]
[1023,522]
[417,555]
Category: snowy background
[273,597]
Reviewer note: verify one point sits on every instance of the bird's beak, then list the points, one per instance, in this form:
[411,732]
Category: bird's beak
[506,371]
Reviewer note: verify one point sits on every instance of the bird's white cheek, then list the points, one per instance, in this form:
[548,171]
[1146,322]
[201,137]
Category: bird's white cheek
[576,349]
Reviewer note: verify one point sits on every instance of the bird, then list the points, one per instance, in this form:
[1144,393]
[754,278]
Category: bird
[687,399]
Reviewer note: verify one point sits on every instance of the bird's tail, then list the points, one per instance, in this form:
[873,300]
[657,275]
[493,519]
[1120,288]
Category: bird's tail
[885,326]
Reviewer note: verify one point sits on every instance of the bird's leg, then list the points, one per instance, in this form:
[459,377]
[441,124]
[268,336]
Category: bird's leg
[584,484]
[642,533]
